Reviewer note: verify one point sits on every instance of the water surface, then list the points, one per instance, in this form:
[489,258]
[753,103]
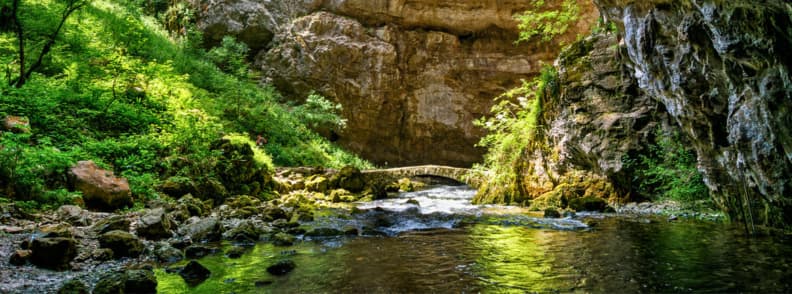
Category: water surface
[447,245]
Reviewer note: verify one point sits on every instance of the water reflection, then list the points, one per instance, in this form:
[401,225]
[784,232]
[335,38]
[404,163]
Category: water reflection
[508,253]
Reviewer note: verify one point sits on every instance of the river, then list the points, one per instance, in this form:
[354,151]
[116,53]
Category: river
[444,244]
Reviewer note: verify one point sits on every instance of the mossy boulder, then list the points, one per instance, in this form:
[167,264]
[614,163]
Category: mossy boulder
[202,230]
[588,203]
[407,185]
[122,243]
[111,223]
[53,253]
[74,286]
[349,178]
[283,239]
[324,232]
[129,281]
[155,224]
[317,183]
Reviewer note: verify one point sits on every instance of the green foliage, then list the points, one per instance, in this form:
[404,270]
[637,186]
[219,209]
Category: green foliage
[230,57]
[668,171]
[146,102]
[27,171]
[547,23]
[513,129]
[317,111]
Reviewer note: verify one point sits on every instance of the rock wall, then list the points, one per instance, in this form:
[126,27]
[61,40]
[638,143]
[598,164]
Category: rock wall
[600,117]
[412,75]
[722,70]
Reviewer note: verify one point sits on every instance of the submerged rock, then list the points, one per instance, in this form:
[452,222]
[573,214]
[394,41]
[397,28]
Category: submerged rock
[194,273]
[198,251]
[323,232]
[281,267]
[236,252]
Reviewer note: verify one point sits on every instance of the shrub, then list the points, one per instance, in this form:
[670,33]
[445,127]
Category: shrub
[668,170]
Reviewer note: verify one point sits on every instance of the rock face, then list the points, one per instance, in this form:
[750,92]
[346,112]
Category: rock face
[411,75]
[100,188]
[722,70]
[598,118]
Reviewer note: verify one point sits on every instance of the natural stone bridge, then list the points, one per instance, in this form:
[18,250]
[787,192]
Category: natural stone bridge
[385,176]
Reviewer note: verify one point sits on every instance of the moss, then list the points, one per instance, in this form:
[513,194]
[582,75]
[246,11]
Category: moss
[557,198]
[588,203]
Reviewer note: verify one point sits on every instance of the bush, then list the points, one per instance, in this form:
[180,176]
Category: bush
[668,170]
[513,129]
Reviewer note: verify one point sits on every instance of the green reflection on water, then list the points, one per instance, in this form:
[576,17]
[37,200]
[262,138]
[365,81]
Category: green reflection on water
[513,259]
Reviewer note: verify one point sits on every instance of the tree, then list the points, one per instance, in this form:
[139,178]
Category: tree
[24,73]
[547,23]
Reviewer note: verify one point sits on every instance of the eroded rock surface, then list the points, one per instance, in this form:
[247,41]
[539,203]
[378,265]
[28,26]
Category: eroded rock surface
[411,75]
[722,69]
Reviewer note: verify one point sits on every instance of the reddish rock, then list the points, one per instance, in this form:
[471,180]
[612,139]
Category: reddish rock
[101,189]
[16,124]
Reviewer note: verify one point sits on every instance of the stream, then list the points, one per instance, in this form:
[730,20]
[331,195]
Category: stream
[444,244]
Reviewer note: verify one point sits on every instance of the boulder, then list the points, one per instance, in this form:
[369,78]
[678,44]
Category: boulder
[272,213]
[130,281]
[195,206]
[53,253]
[57,230]
[176,187]
[122,243]
[73,214]
[140,281]
[323,232]
[111,223]
[100,188]
[281,267]
[74,286]
[246,231]
[202,230]
[167,253]
[194,273]
[16,124]
[551,213]
[20,257]
[154,225]
[349,178]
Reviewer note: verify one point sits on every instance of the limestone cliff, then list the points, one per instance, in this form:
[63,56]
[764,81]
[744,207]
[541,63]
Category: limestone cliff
[411,75]
[722,70]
